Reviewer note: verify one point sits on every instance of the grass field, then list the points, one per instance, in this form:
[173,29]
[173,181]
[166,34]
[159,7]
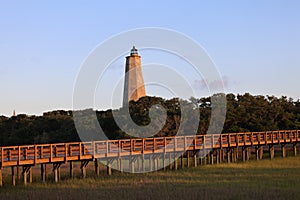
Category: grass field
[265,179]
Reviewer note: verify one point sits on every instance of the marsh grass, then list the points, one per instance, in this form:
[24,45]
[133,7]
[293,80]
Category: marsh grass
[265,179]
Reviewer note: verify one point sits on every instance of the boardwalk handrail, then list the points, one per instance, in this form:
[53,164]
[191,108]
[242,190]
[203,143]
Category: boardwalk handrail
[63,152]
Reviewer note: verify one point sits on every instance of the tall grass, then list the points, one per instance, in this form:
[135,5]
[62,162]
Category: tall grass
[265,179]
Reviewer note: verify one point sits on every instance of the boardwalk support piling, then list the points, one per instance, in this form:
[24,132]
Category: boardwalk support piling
[295,149]
[195,159]
[30,175]
[83,168]
[283,150]
[1,181]
[97,167]
[175,162]
[56,171]
[13,176]
[143,163]
[164,162]
[217,156]
[26,170]
[19,172]
[271,151]
[170,161]
[46,171]
[188,158]
[221,155]
[150,162]
[155,163]
[228,155]
[43,174]
[121,164]
[108,166]
[132,163]
[71,169]
[259,152]
[212,157]
[248,153]
[182,161]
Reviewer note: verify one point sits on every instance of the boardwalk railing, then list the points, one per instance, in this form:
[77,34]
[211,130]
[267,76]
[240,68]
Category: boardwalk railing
[30,155]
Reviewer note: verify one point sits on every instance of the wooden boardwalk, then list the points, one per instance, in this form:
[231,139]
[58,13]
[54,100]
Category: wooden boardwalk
[169,150]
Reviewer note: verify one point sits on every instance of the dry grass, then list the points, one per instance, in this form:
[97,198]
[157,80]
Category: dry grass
[276,179]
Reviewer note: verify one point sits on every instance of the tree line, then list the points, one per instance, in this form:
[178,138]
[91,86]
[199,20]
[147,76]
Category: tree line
[243,113]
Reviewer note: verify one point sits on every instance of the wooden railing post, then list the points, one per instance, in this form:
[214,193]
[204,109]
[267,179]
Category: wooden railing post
[228,140]
[143,145]
[120,147]
[221,141]
[51,152]
[35,154]
[107,148]
[66,152]
[2,156]
[80,150]
[19,155]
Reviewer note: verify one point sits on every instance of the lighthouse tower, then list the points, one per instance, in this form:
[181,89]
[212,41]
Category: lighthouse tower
[134,87]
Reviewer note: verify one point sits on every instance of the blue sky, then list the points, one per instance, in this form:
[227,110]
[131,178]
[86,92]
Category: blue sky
[255,44]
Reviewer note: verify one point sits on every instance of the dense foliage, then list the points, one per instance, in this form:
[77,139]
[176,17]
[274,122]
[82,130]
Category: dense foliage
[244,113]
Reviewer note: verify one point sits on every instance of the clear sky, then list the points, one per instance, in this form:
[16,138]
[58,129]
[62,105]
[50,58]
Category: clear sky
[255,44]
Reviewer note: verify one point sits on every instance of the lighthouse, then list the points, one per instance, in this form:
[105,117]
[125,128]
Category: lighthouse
[134,87]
